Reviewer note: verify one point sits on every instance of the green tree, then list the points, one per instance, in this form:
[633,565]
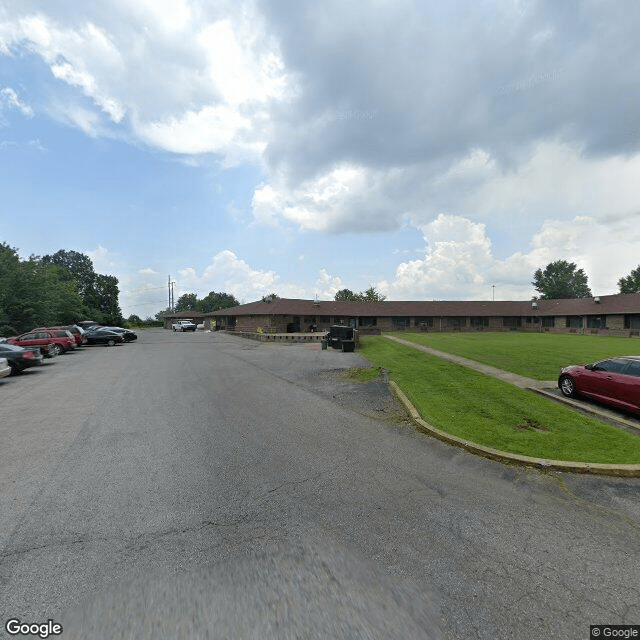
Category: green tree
[346,295]
[369,295]
[98,293]
[214,301]
[372,295]
[9,267]
[103,300]
[561,279]
[270,297]
[74,266]
[630,284]
[187,302]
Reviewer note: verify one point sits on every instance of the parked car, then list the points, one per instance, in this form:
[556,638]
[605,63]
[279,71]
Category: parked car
[5,369]
[85,324]
[77,337]
[100,335]
[615,381]
[76,331]
[61,340]
[183,325]
[127,334]
[47,350]
[20,358]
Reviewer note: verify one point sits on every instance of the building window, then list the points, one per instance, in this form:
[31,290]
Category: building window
[325,319]
[574,322]
[401,322]
[596,322]
[632,321]
[424,321]
[455,322]
[479,322]
[513,322]
[309,319]
[548,321]
[370,321]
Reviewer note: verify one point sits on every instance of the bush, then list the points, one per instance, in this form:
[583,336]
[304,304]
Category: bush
[6,331]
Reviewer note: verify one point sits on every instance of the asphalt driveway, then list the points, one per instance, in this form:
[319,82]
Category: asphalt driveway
[200,485]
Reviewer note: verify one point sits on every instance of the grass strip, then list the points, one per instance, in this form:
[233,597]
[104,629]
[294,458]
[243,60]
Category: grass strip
[361,374]
[481,409]
[533,355]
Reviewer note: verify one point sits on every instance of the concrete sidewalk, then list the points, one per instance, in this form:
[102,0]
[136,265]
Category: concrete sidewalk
[507,376]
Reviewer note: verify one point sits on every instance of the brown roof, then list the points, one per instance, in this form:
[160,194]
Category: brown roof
[185,314]
[619,303]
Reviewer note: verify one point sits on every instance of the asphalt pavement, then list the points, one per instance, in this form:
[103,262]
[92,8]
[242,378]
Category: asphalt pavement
[204,486]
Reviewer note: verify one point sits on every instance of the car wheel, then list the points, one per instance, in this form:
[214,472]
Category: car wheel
[111,342]
[56,350]
[567,386]
[15,370]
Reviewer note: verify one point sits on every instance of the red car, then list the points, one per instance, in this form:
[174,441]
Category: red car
[615,381]
[74,330]
[60,339]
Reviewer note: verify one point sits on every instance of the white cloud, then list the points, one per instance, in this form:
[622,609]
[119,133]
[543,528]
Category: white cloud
[103,260]
[558,179]
[227,272]
[348,198]
[327,286]
[212,129]
[457,257]
[459,262]
[191,78]
[9,99]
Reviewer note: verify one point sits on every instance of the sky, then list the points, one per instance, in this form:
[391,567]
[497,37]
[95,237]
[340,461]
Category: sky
[435,151]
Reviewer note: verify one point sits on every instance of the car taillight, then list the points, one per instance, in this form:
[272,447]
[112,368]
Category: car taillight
[27,355]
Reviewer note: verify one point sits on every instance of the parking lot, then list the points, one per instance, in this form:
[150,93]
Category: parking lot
[138,477]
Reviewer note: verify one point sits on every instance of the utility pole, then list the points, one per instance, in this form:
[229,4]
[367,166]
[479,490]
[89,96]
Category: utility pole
[171,298]
[493,292]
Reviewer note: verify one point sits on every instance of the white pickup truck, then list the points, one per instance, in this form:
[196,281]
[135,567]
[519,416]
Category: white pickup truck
[183,325]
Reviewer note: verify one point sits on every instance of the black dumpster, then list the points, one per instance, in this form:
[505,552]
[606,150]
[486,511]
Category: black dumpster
[342,337]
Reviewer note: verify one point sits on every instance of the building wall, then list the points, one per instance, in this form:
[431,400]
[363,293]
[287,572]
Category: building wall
[615,324]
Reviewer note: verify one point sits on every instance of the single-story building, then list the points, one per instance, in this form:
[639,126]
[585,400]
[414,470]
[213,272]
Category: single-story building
[612,315]
[197,317]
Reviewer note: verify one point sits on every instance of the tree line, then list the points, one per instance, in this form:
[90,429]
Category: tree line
[563,279]
[62,288]
[211,302]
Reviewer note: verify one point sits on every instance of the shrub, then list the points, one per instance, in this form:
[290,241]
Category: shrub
[7,331]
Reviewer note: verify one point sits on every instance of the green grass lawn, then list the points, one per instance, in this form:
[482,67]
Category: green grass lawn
[493,413]
[534,355]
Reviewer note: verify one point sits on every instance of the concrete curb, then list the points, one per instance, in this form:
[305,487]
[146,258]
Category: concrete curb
[624,470]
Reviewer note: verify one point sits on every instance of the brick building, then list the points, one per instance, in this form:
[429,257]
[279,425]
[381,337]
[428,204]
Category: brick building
[613,315]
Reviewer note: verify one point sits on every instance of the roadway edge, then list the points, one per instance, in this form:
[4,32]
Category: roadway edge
[621,470]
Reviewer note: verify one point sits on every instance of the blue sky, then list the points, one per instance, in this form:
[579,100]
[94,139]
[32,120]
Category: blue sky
[299,148]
